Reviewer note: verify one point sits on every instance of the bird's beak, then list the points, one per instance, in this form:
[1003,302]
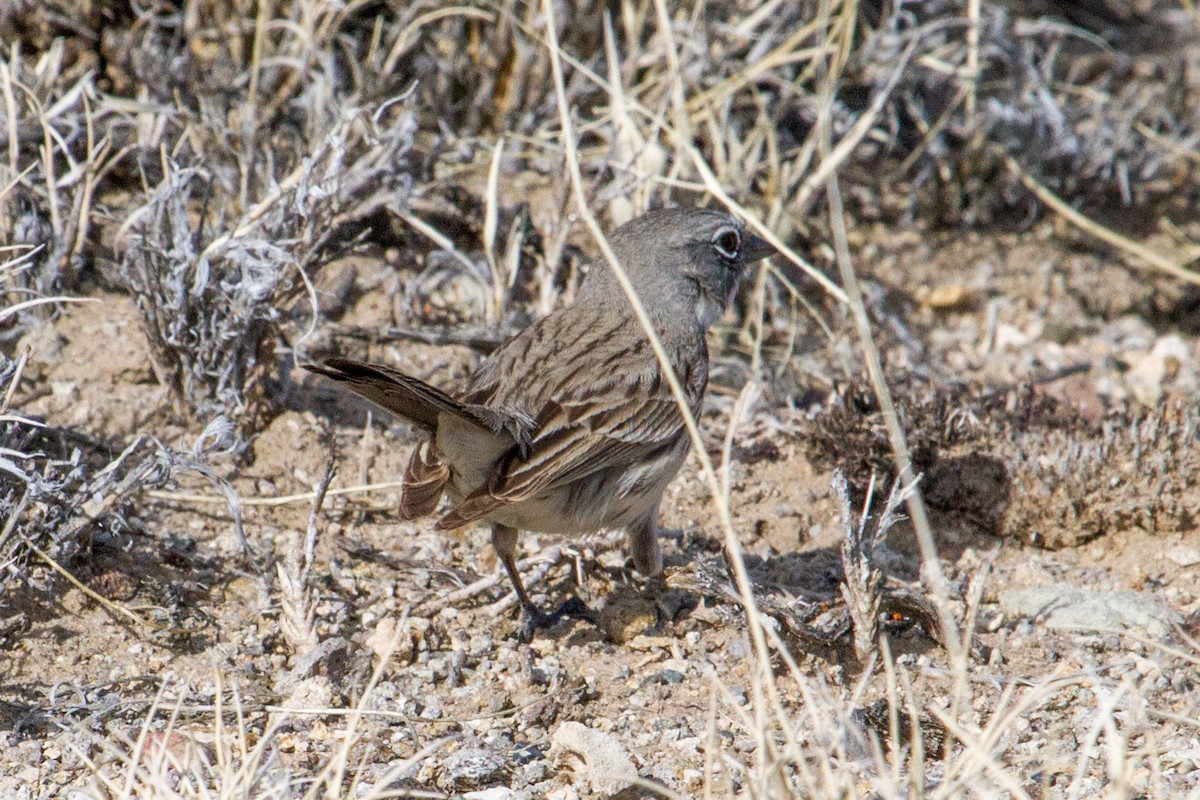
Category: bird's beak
[756,249]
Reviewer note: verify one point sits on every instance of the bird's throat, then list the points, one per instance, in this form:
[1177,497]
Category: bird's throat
[709,308]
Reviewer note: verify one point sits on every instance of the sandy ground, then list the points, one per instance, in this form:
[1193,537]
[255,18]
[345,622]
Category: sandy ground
[1051,392]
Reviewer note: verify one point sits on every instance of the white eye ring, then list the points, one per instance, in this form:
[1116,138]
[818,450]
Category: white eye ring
[728,243]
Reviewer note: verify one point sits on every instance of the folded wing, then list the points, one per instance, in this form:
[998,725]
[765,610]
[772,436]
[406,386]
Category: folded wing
[629,416]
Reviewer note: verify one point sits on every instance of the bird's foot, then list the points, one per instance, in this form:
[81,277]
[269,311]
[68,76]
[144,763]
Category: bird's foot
[533,618]
[654,585]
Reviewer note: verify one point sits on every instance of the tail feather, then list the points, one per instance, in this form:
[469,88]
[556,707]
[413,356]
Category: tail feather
[425,482]
[400,394]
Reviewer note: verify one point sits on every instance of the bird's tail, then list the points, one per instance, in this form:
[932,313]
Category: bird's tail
[401,394]
[425,481]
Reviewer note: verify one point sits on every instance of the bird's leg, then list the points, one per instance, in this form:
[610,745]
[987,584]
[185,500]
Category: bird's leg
[646,552]
[504,540]
[644,547]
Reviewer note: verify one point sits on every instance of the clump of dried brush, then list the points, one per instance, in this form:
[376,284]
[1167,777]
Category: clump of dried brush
[940,113]
[269,175]
[62,493]
[203,161]
[55,159]
[1065,96]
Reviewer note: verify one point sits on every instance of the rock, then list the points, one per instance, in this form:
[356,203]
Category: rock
[401,645]
[598,760]
[1165,364]
[494,793]
[470,768]
[625,616]
[333,284]
[328,661]
[1184,556]
[947,297]
[1076,609]
[309,693]
[177,750]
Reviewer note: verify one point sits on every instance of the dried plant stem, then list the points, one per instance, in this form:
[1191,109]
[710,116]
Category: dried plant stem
[639,310]
[710,182]
[115,609]
[472,590]
[438,238]
[407,37]
[15,308]
[746,400]
[500,282]
[541,568]
[841,152]
[297,603]
[268,502]
[1107,235]
[313,530]
[916,503]
[13,382]
[972,76]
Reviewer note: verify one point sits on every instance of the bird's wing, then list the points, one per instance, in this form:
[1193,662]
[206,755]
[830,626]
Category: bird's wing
[593,422]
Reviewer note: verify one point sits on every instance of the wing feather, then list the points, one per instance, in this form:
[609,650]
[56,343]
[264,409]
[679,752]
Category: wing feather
[596,427]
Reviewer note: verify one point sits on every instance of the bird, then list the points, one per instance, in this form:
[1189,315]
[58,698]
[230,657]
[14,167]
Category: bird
[570,427]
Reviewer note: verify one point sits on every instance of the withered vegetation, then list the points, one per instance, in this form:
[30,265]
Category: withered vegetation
[247,176]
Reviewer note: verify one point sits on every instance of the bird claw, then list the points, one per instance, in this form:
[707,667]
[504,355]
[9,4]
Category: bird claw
[533,618]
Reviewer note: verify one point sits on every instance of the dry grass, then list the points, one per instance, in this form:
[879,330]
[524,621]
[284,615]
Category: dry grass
[226,153]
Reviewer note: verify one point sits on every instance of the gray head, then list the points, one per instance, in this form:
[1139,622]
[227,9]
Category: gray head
[680,261]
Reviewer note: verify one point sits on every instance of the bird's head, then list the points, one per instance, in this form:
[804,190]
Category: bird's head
[680,258]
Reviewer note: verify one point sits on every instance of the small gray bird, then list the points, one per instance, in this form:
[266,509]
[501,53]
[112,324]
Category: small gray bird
[569,427]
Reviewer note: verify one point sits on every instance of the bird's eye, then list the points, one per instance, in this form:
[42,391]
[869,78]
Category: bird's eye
[727,243]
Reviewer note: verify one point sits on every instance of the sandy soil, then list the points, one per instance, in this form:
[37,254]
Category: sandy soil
[1016,351]
[200,157]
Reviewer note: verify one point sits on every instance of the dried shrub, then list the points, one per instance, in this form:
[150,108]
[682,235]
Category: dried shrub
[47,186]
[1140,472]
[283,155]
[961,442]
[1109,122]
[208,316]
[209,286]
[1018,464]
[59,491]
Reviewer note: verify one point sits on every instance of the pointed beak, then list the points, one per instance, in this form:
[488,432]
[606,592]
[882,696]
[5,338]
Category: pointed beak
[755,249]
